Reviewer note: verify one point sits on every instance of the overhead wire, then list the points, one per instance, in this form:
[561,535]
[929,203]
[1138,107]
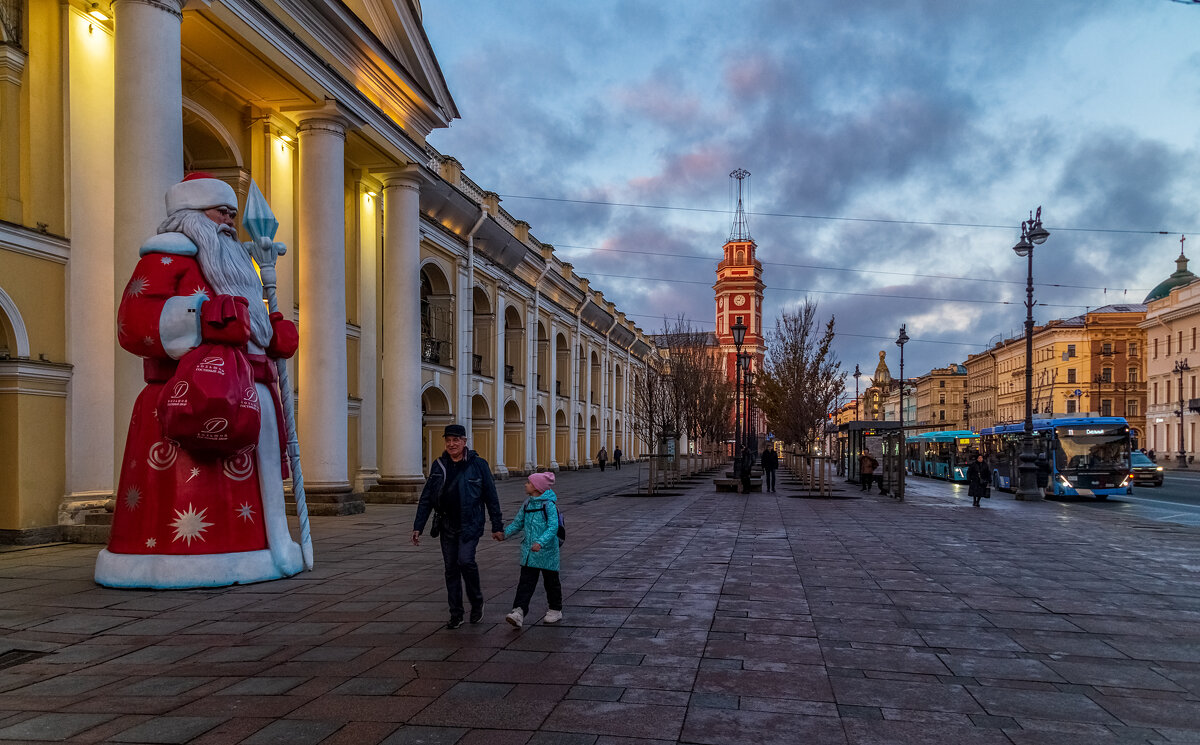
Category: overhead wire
[820,267]
[840,218]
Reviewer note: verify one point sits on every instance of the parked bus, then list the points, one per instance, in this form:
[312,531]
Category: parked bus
[942,455]
[1075,456]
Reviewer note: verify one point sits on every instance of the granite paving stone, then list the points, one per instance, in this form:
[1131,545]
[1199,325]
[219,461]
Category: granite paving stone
[168,729]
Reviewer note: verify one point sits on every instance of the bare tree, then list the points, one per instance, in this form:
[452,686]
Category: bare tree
[801,376]
[701,393]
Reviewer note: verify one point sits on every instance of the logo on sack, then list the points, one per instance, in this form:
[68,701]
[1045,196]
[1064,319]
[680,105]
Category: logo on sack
[214,429]
[213,364]
[249,399]
[180,390]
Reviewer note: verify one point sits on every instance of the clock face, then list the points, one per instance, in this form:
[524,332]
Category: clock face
[739,300]
[720,302]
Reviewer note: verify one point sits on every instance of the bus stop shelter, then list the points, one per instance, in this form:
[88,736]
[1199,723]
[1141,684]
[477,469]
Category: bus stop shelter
[882,440]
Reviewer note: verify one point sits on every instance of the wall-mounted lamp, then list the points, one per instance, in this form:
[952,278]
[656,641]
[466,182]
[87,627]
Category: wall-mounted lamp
[372,194]
[96,13]
[284,136]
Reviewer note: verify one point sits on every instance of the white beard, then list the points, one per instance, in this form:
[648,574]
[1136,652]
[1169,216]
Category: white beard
[225,264]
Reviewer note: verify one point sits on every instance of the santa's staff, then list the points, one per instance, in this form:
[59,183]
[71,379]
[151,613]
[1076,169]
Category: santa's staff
[260,222]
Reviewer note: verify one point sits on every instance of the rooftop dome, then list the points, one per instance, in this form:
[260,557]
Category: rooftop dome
[1180,278]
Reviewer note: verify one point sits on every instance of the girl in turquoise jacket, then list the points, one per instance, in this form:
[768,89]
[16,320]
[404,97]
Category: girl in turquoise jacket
[538,518]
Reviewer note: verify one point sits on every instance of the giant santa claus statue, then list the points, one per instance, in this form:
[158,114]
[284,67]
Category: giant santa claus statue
[193,517]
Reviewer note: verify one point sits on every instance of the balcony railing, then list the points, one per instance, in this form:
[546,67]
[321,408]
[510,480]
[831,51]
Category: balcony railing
[477,364]
[509,373]
[435,351]
[1194,405]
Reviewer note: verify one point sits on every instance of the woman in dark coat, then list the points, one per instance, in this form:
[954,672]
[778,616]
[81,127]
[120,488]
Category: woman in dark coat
[978,479]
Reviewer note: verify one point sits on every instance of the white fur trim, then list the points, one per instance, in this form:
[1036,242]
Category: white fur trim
[170,572]
[179,324]
[200,194]
[176,244]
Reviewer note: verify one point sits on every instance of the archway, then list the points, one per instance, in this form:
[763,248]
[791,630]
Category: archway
[562,371]
[437,317]
[542,439]
[483,428]
[435,415]
[483,361]
[514,348]
[514,437]
[562,437]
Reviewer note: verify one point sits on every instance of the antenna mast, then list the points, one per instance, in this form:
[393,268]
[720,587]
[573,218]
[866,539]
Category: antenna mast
[741,229]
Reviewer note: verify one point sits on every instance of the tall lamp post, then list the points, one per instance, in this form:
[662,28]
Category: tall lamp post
[1180,369]
[739,335]
[857,373]
[900,342]
[1032,234]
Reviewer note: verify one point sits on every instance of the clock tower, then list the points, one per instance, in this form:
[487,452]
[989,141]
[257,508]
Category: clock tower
[739,288]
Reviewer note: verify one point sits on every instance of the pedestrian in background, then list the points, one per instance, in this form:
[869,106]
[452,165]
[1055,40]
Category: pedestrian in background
[538,518]
[602,458]
[770,462]
[866,469]
[459,489]
[978,479]
[745,465]
[617,457]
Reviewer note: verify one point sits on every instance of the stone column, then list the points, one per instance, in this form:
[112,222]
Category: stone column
[323,408]
[401,426]
[552,414]
[499,468]
[531,365]
[573,406]
[588,445]
[148,156]
[368,214]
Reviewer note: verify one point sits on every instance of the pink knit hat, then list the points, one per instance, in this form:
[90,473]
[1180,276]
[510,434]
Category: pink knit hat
[542,481]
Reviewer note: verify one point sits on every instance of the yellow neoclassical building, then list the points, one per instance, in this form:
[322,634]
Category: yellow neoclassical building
[419,299]
[1090,364]
[1173,365]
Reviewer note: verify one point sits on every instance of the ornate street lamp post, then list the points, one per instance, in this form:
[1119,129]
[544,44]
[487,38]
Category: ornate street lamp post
[903,446]
[1032,234]
[1180,369]
[857,373]
[739,335]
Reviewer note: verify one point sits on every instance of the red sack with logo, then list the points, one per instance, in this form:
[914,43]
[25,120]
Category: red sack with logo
[211,404]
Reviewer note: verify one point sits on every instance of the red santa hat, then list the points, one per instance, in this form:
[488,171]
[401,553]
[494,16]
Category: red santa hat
[200,191]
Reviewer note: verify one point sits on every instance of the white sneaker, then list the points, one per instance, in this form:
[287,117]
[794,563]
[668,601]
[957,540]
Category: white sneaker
[516,618]
[552,616]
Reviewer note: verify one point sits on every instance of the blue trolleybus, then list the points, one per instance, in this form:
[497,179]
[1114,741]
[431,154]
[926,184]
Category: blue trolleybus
[1076,456]
[941,455]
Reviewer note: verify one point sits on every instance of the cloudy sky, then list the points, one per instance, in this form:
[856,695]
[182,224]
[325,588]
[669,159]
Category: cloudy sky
[895,148]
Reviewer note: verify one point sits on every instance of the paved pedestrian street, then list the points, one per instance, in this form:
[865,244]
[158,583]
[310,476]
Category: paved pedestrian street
[695,618]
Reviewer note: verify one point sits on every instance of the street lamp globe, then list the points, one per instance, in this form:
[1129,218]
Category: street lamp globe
[739,333]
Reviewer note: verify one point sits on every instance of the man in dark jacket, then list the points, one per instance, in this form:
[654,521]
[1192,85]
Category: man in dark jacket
[459,488]
[770,462]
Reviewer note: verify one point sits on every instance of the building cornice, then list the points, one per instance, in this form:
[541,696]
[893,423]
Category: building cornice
[45,246]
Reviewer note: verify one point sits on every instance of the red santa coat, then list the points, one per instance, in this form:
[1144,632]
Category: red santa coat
[186,519]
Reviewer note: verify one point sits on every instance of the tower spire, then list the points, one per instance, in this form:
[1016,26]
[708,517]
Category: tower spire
[741,228]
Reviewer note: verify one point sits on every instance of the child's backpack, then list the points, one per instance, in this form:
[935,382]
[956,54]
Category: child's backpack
[562,523]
